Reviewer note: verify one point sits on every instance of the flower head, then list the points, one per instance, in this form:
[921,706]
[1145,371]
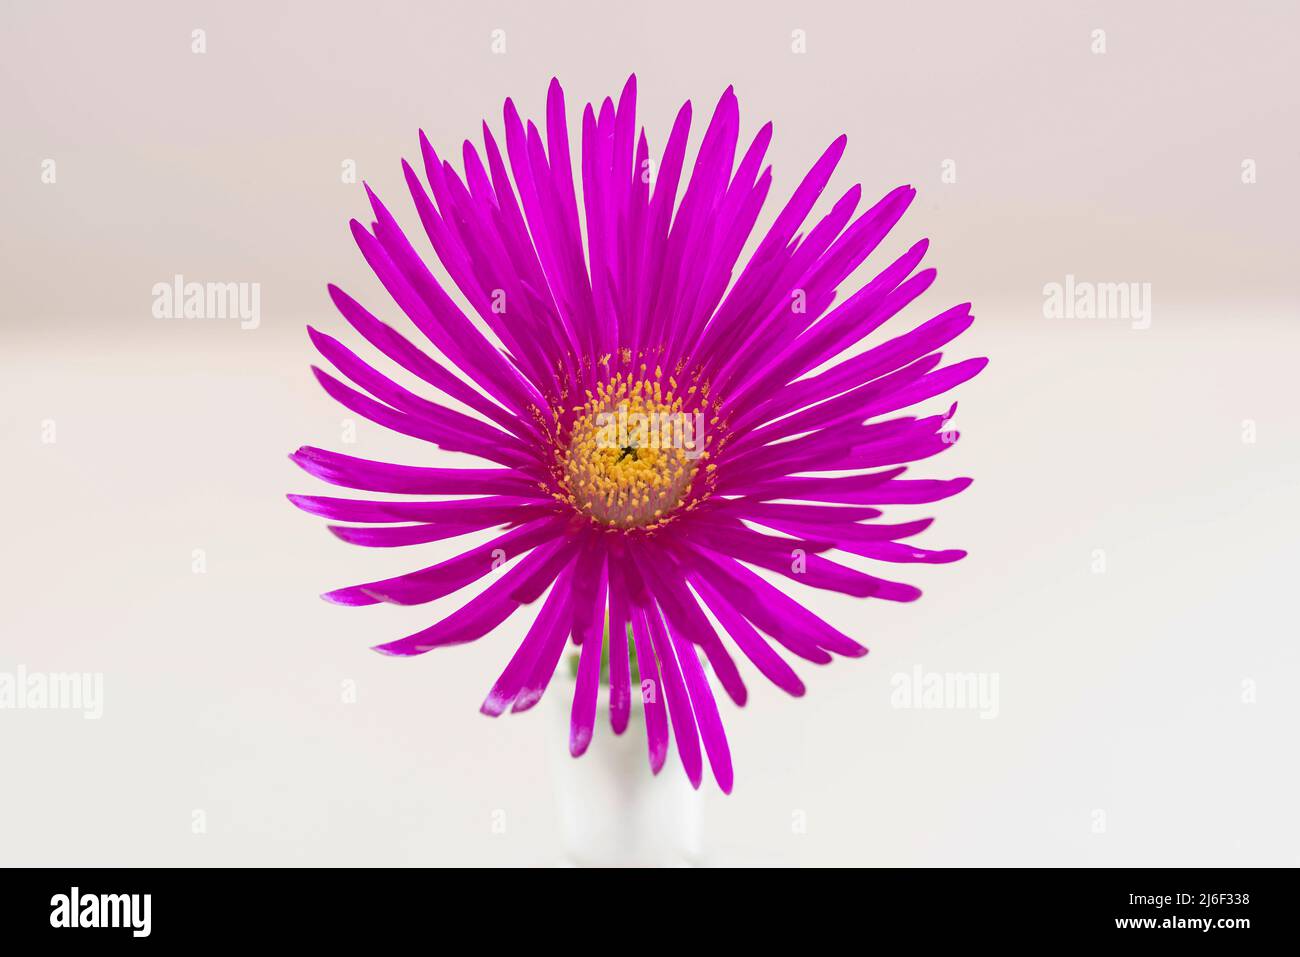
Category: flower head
[648,404]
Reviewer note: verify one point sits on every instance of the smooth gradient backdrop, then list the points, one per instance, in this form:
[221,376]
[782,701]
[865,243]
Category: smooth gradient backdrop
[1132,527]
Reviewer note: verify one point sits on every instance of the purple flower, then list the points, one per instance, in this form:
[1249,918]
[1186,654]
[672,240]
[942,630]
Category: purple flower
[645,401]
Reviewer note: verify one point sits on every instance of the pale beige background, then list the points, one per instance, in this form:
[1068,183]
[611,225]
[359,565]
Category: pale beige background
[1120,692]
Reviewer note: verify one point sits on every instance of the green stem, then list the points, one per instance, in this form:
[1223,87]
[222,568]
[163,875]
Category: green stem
[604,656]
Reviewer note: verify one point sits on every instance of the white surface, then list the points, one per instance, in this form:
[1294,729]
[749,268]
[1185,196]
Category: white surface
[1119,691]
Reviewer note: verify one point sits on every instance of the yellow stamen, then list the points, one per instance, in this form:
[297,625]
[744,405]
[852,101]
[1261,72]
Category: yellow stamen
[633,452]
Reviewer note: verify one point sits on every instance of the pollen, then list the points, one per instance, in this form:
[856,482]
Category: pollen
[634,449]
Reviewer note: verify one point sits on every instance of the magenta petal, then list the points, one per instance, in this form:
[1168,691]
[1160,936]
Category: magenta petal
[798,561]
[898,552]
[704,567]
[370,476]
[770,609]
[706,714]
[771,665]
[483,612]
[551,647]
[401,535]
[653,701]
[620,664]
[583,716]
[689,622]
[829,514]
[392,344]
[428,584]
[914,491]
[411,414]
[522,665]
[490,509]
[679,702]
[849,490]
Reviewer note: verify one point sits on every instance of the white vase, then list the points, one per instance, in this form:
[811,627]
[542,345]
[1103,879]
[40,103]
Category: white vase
[613,811]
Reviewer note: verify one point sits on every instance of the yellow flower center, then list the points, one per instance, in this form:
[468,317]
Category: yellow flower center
[634,450]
